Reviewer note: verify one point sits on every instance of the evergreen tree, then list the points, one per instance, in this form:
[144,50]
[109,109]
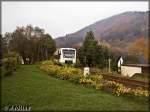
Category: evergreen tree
[92,54]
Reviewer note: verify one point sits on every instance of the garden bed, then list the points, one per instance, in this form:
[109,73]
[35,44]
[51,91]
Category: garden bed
[96,80]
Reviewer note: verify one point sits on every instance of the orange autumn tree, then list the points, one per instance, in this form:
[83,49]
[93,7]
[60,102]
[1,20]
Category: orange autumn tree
[141,46]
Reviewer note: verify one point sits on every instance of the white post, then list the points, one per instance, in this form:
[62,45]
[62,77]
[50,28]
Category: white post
[86,71]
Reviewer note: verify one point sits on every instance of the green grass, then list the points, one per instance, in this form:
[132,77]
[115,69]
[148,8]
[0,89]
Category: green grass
[30,86]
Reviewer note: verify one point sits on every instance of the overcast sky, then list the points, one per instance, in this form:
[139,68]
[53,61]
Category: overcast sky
[61,18]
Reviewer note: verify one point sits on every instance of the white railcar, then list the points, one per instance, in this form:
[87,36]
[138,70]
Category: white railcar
[67,55]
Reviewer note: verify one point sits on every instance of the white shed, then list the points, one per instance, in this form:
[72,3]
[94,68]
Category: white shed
[131,69]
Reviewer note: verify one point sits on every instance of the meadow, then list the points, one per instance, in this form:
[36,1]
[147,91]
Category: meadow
[31,86]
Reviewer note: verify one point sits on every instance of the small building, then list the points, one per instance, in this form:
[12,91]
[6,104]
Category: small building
[130,69]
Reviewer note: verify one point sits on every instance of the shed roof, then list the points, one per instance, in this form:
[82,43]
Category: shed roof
[137,65]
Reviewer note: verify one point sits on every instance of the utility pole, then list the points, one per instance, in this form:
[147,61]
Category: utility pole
[109,68]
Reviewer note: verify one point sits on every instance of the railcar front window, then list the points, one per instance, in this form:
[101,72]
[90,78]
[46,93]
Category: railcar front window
[68,53]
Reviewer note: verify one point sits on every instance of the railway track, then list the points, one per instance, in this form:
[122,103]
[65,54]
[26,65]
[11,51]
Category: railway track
[127,82]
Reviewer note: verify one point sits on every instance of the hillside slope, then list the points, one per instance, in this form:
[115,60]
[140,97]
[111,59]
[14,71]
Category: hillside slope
[118,31]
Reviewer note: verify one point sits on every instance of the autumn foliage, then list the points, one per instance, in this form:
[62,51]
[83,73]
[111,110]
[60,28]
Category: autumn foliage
[141,46]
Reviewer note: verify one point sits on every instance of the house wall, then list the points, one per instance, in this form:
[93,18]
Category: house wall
[130,70]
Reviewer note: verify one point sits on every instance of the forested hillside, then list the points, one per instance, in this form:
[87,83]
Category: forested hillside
[118,31]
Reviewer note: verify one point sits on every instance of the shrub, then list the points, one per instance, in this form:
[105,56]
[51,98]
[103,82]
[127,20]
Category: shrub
[140,92]
[11,63]
[115,87]
[51,69]
[85,81]
[93,81]
[97,78]
[72,74]
[64,72]
[68,72]
[75,75]
[120,89]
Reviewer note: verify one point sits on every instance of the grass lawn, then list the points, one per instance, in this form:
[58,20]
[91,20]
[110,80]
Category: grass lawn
[30,86]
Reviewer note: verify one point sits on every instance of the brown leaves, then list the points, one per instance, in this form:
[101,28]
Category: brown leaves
[141,46]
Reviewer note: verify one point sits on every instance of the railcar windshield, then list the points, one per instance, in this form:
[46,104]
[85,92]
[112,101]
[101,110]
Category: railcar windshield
[68,53]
